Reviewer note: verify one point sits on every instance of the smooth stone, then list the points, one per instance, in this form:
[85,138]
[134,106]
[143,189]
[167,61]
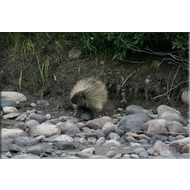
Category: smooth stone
[87,135]
[143,141]
[133,109]
[50,139]
[120,132]
[31,123]
[48,116]
[138,150]
[186,148]
[64,145]
[33,105]
[9,109]
[114,136]
[112,143]
[11,115]
[155,138]
[99,133]
[86,130]
[122,139]
[64,118]
[5,103]
[100,141]
[135,156]
[73,131]
[130,139]
[20,125]
[89,150]
[134,144]
[174,127]
[163,108]
[16,96]
[110,154]
[38,117]
[133,122]
[37,150]
[45,129]
[185,96]
[14,148]
[83,155]
[63,138]
[117,156]
[166,153]
[91,140]
[25,156]
[133,134]
[26,141]
[171,138]
[98,123]
[3,156]
[21,117]
[66,126]
[6,141]
[150,151]
[142,136]
[143,154]
[12,133]
[184,156]
[126,156]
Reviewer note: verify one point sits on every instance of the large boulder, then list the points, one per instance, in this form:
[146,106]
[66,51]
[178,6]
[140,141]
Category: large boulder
[133,122]
[163,108]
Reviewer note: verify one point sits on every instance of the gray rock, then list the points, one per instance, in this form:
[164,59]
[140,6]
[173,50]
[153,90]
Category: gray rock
[120,132]
[54,121]
[12,133]
[37,150]
[155,127]
[150,151]
[63,138]
[38,117]
[171,138]
[122,139]
[133,109]
[99,133]
[43,102]
[98,157]
[26,141]
[22,117]
[135,156]
[25,156]
[50,139]
[33,104]
[114,136]
[185,96]
[133,122]
[89,150]
[130,139]
[87,135]
[138,150]
[7,141]
[100,141]
[110,154]
[174,116]
[116,115]
[14,148]
[143,154]
[91,140]
[3,156]
[66,126]
[20,125]
[184,156]
[44,129]
[86,130]
[64,145]
[186,148]
[155,138]
[112,143]
[87,116]
[98,123]
[126,156]
[143,141]
[73,131]
[179,144]
[163,108]
[83,155]
[166,153]
[174,127]
[31,123]
[5,103]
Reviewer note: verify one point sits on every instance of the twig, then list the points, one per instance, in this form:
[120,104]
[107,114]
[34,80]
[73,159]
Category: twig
[126,79]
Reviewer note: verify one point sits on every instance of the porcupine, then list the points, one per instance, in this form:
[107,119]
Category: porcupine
[88,93]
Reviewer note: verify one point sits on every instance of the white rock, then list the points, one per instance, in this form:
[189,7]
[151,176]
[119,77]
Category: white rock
[16,96]
[88,150]
[12,133]
[163,108]
[185,97]
[48,116]
[10,115]
[112,143]
[63,138]
[8,109]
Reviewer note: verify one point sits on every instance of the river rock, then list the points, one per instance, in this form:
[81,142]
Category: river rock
[44,129]
[43,102]
[12,133]
[174,116]
[73,131]
[9,109]
[100,141]
[83,155]
[163,108]
[99,133]
[11,115]
[114,136]
[186,148]
[143,154]
[37,150]
[155,127]
[22,117]
[25,156]
[6,141]
[155,138]
[130,139]
[138,150]
[110,154]
[89,150]
[49,139]
[112,143]
[66,126]
[98,123]
[31,123]
[133,122]
[179,144]
[133,109]
[26,141]
[122,139]
[108,127]
[120,132]
[64,145]
[117,156]
[98,157]
[185,96]
[91,140]
[63,138]
[14,148]
[166,153]
[20,125]
[10,103]
[174,127]
[38,117]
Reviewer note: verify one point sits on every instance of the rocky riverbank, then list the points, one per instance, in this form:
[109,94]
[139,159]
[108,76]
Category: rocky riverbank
[133,133]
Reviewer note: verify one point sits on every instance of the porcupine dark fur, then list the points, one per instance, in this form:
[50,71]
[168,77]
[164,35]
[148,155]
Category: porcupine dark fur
[89,93]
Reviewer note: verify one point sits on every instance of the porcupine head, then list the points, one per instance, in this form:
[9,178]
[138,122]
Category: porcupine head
[78,98]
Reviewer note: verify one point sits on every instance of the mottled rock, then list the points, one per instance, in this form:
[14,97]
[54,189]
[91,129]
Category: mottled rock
[155,127]
[38,117]
[25,156]
[166,153]
[179,144]
[45,129]
[155,138]
[98,123]
[122,139]
[14,148]
[142,136]
[64,145]
[120,132]
[130,139]
[12,133]
[66,126]
[186,148]
[133,109]
[20,125]
[49,139]
[63,138]
[150,151]
[37,150]
[73,131]
[16,96]
[133,122]
[174,116]
[91,140]
[26,141]
[163,108]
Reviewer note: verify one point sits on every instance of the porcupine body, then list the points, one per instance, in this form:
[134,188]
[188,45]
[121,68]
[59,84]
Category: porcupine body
[90,94]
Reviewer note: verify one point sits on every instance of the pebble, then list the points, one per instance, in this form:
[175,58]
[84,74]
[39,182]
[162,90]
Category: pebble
[143,154]
[33,104]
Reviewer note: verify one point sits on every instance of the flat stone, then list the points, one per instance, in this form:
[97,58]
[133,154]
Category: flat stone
[9,109]
[11,115]
[38,117]
[25,156]
[12,133]
[26,141]
[5,103]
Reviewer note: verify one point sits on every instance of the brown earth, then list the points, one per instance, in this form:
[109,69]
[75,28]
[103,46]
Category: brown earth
[144,81]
